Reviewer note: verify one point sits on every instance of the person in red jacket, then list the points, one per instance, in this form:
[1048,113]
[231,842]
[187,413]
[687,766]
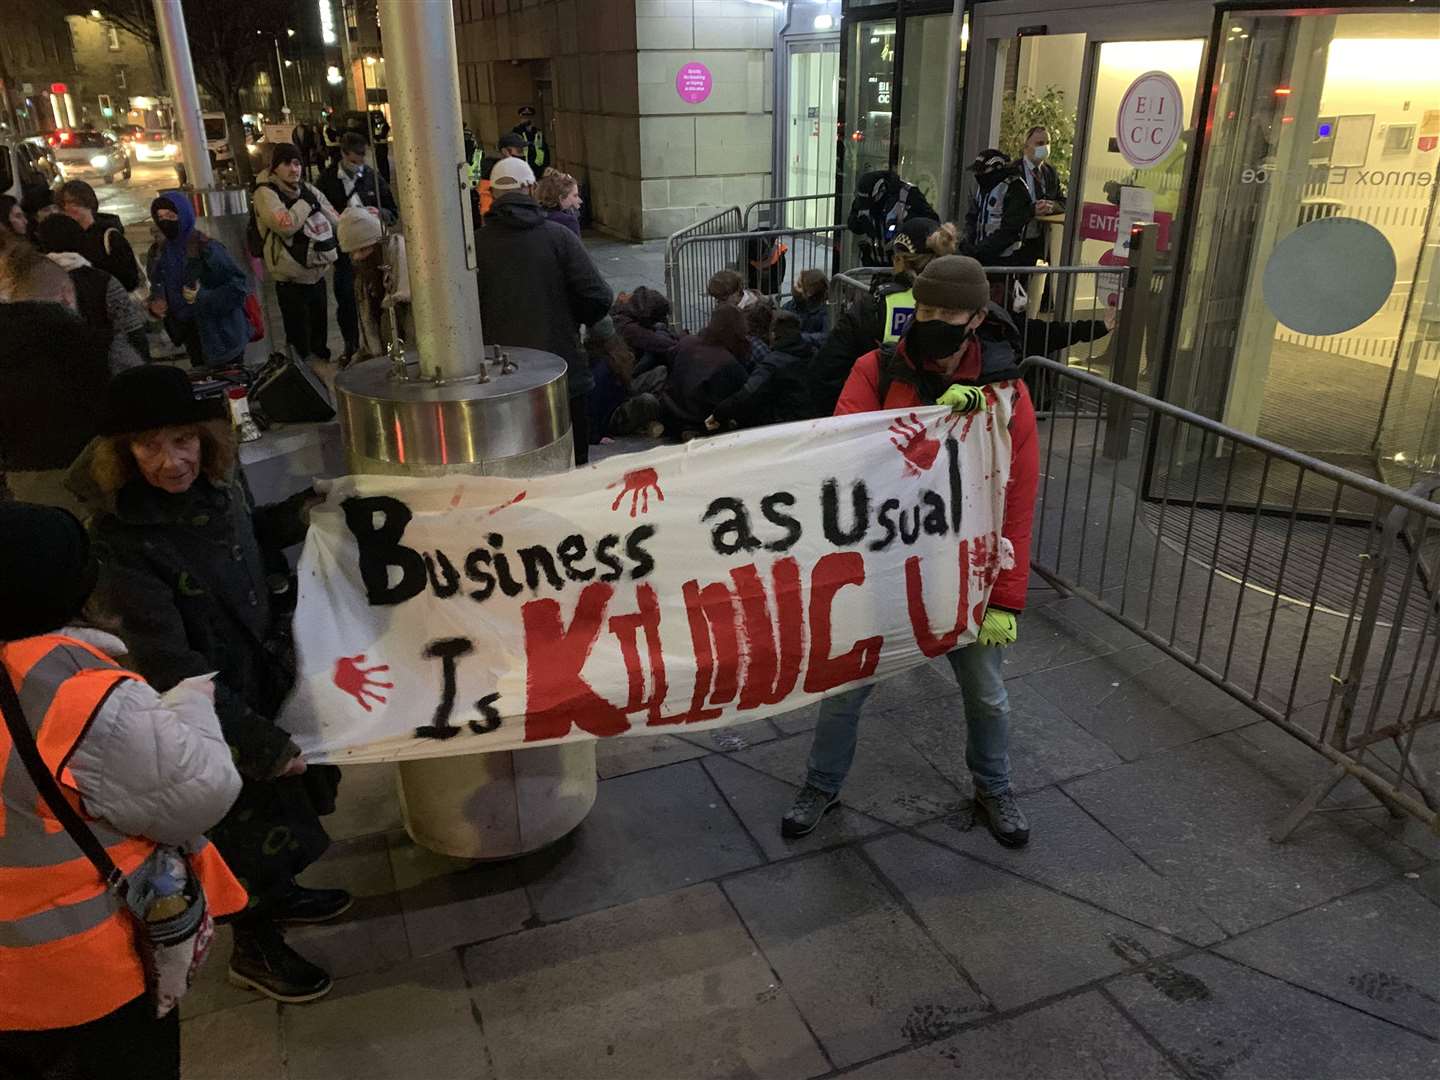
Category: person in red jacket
[957,344]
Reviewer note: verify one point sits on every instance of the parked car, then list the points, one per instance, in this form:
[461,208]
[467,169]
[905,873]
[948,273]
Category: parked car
[28,172]
[90,153]
[156,145]
[217,138]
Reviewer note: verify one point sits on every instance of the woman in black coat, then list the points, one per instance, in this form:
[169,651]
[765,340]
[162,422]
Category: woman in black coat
[194,574]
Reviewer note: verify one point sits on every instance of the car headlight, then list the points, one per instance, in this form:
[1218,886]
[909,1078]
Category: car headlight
[170,148]
[99,161]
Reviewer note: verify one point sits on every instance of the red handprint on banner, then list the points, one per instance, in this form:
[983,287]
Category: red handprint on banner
[356,681]
[918,448]
[637,484]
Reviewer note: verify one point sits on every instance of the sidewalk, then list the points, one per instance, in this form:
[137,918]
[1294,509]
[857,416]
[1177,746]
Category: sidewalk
[1149,930]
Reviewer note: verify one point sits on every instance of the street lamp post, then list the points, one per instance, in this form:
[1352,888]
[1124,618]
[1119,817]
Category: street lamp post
[280,68]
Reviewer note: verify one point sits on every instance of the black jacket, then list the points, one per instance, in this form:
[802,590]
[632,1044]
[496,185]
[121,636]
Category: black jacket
[538,285]
[1016,212]
[642,321]
[859,328]
[1047,182]
[373,189]
[702,376]
[54,368]
[187,576]
[107,248]
[777,390]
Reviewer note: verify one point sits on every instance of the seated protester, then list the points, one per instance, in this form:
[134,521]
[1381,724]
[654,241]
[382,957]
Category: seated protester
[776,391]
[54,368]
[196,287]
[622,402]
[105,243]
[101,300]
[1000,213]
[708,368]
[809,299]
[879,317]
[382,280]
[643,320]
[726,287]
[759,312]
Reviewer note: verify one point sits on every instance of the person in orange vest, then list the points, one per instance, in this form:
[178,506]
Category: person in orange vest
[142,769]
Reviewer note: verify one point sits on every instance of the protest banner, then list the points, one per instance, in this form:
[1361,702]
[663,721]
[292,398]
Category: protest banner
[686,588]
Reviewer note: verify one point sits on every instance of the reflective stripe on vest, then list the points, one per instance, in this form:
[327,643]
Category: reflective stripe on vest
[899,310]
[67,949]
[992,213]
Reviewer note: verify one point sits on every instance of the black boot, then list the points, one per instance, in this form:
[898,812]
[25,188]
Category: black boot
[301,905]
[262,961]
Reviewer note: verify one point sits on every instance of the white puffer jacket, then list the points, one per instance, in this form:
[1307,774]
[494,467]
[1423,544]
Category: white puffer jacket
[154,765]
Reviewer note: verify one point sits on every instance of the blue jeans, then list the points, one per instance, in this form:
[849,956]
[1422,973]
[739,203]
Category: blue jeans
[987,719]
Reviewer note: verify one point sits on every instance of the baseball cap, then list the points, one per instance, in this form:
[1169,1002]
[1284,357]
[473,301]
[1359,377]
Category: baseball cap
[511,174]
[510,140]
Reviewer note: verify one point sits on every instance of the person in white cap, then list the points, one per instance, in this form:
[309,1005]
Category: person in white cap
[538,285]
[382,278]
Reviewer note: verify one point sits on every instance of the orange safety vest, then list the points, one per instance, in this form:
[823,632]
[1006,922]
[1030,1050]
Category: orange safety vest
[67,947]
[487,197]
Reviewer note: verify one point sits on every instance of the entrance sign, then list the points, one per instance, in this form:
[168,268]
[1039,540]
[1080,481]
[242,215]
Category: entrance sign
[1101,221]
[1151,115]
[693,82]
[687,588]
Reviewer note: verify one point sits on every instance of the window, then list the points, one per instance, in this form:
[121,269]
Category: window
[112,39]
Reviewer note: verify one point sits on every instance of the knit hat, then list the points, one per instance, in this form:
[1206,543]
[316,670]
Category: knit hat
[601,331]
[284,152]
[153,396]
[511,174]
[60,233]
[49,573]
[358,228]
[911,236]
[954,282]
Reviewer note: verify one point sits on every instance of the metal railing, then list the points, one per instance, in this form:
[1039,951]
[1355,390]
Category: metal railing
[1190,534]
[803,211]
[702,259]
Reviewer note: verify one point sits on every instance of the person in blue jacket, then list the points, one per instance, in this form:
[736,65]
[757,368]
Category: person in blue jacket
[196,287]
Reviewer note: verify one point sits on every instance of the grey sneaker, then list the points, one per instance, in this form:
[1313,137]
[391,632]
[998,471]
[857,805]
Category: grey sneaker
[1003,815]
[805,813]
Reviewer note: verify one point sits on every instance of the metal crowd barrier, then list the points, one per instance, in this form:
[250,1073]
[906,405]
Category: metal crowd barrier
[1307,592]
[802,211]
[685,281]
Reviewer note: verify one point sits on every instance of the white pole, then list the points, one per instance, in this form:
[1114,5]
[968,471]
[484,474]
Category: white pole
[185,98]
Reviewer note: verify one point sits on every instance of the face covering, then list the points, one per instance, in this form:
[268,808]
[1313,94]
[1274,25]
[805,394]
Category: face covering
[169,229]
[1042,152]
[933,340]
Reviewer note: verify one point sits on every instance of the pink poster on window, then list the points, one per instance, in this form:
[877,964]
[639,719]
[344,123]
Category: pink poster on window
[693,83]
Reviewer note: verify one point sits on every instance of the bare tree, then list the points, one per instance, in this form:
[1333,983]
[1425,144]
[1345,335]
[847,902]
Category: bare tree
[231,41]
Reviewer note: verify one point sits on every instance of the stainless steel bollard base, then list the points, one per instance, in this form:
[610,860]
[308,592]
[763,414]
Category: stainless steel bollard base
[517,423]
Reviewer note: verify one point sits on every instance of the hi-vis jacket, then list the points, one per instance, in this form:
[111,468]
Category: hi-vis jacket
[143,770]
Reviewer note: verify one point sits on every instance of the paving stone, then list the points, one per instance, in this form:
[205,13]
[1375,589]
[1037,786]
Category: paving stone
[448,902]
[889,780]
[415,1020]
[1047,640]
[1220,1020]
[760,802]
[1140,701]
[1427,883]
[1071,852]
[924,682]
[372,933]
[864,975]
[1018,940]
[240,1043]
[1081,1038]
[1046,746]
[367,803]
[797,720]
[1377,950]
[667,987]
[212,990]
[1201,817]
[650,832]
[727,740]
[632,753]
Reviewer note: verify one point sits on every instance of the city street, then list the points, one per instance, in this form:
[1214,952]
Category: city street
[131,199]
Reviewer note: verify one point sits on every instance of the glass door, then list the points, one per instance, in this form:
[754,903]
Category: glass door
[869,110]
[814,113]
[924,96]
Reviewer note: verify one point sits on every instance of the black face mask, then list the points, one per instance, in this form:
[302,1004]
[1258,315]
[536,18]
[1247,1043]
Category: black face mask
[170,229]
[933,340]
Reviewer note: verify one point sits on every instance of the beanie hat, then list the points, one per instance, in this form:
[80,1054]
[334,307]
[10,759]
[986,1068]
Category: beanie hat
[358,228]
[59,233]
[511,174]
[284,152]
[153,396]
[601,331]
[49,573]
[954,282]
[911,236]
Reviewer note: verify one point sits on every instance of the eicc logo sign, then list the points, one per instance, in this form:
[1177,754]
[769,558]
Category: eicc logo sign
[1149,120]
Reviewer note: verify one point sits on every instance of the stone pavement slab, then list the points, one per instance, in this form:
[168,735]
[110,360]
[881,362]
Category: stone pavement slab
[1019,941]
[1070,851]
[760,801]
[797,720]
[1220,1020]
[368,802]
[212,991]
[729,739]
[633,753]
[241,1043]
[1201,817]
[448,902]
[660,989]
[866,978]
[372,933]
[1080,1038]
[650,832]
[1378,951]
[1140,701]
[414,1020]
[1047,639]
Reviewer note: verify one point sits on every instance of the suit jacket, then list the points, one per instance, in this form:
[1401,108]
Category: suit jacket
[1047,184]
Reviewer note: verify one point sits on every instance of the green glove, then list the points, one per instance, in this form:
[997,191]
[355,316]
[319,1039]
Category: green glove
[998,628]
[963,399]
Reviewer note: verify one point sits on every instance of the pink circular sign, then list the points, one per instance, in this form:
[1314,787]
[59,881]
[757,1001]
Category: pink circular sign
[693,83]
[1150,116]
